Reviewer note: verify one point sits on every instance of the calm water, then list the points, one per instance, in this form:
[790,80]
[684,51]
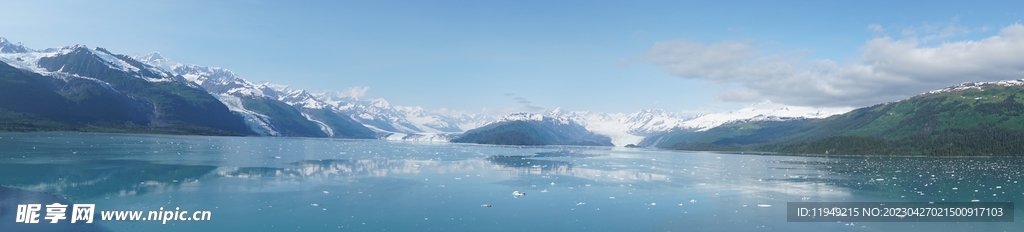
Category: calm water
[286,184]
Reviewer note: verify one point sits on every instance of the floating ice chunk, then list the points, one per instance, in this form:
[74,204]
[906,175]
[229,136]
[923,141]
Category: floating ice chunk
[581,203]
[764,205]
[653,204]
[326,192]
[314,204]
[975,200]
[486,205]
[954,188]
[518,194]
[693,201]
[613,198]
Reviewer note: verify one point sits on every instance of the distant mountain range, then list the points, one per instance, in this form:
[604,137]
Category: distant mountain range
[77,88]
[330,114]
[83,89]
[969,119]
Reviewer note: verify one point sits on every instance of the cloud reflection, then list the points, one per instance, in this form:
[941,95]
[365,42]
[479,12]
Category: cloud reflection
[511,166]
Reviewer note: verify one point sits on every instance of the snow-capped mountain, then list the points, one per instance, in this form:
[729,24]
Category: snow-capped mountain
[53,61]
[104,91]
[450,122]
[650,121]
[554,117]
[379,114]
[631,128]
[231,90]
[765,111]
[278,110]
[8,47]
[388,121]
[976,85]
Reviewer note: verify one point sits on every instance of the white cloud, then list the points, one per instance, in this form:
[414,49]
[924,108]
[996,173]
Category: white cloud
[875,28]
[524,105]
[888,69]
[451,113]
[929,32]
[355,92]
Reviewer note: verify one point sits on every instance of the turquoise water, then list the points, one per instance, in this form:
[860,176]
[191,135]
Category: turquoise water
[296,184]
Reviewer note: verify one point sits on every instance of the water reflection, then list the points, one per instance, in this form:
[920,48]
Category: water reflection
[97,178]
[536,165]
[330,169]
[274,184]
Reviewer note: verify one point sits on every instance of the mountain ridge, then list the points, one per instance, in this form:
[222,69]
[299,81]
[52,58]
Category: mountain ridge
[533,129]
[968,119]
[152,91]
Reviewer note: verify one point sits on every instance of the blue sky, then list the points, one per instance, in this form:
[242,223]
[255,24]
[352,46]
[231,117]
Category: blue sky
[532,55]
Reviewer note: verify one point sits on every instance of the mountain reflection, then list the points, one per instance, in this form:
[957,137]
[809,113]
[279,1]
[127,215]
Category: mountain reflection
[95,178]
[509,165]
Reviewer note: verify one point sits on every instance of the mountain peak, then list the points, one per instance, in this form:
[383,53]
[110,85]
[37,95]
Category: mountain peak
[158,60]
[977,85]
[526,116]
[7,47]
[73,48]
[380,102]
[153,57]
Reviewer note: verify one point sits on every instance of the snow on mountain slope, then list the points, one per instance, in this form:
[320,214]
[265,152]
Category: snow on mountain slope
[158,60]
[257,122]
[214,79]
[7,47]
[19,56]
[323,126]
[410,123]
[439,122]
[650,121]
[221,83]
[976,85]
[631,128]
[422,137]
[383,116]
[759,112]
[377,114]
[554,116]
[611,125]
